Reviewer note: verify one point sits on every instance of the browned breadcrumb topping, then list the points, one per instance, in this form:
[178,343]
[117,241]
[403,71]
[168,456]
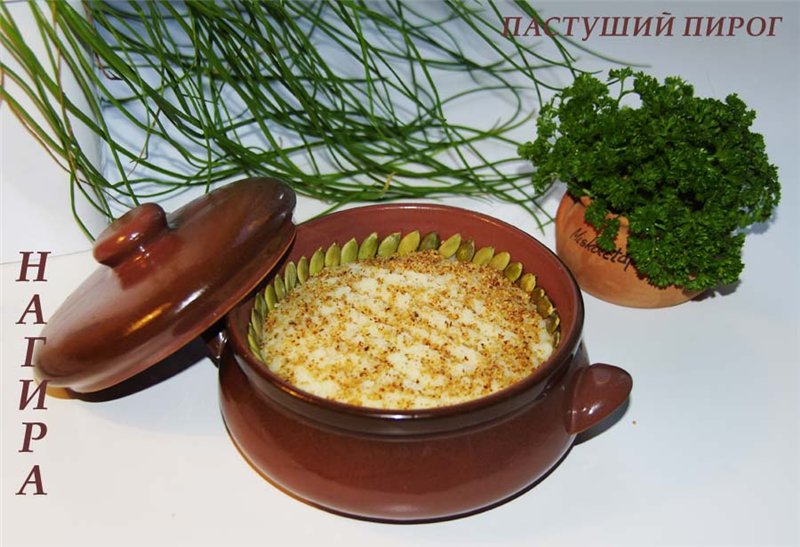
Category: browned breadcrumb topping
[415,331]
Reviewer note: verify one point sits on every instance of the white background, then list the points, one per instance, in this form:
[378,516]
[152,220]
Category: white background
[706,453]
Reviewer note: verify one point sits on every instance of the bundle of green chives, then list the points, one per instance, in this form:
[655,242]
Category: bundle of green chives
[342,99]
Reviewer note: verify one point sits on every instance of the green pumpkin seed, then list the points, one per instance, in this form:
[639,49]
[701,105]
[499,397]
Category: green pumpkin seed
[302,270]
[450,246]
[252,342]
[333,255]
[500,261]
[483,256]
[290,276]
[368,247]
[553,322]
[466,251]
[544,306]
[256,317]
[409,243]
[261,304]
[527,282]
[429,242]
[513,271]
[536,296]
[389,245]
[349,252]
[317,262]
[270,297]
[556,338]
[280,288]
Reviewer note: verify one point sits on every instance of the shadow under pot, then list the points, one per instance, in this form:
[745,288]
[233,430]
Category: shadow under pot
[419,464]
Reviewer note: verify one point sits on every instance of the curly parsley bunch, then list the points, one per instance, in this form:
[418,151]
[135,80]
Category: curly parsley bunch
[687,172]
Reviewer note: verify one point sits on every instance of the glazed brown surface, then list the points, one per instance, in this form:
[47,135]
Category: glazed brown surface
[423,464]
[163,280]
[398,477]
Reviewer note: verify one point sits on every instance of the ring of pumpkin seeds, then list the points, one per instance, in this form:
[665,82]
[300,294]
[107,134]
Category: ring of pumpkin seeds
[454,247]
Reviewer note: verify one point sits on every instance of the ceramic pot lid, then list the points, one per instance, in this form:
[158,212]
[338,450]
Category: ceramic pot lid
[163,280]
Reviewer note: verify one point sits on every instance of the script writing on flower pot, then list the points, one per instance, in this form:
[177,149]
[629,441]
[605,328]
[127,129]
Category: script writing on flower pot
[617,256]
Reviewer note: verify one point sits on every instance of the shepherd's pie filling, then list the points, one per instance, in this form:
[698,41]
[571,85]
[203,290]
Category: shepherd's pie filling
[407,332]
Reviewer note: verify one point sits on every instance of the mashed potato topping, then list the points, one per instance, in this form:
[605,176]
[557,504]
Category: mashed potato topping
[412,331]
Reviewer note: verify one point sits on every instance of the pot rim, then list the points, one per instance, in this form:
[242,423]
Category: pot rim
[534,383]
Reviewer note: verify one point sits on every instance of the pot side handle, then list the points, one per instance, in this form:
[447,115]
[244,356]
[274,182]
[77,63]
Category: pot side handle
[598,391]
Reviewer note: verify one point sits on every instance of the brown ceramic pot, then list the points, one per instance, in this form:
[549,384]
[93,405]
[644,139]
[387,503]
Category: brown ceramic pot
[166,279]
[608,275]
[424,464]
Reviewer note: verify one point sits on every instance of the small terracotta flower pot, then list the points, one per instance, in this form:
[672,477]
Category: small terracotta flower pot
[608,275]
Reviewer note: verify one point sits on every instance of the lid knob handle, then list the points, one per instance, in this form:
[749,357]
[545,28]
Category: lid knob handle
[127,236]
